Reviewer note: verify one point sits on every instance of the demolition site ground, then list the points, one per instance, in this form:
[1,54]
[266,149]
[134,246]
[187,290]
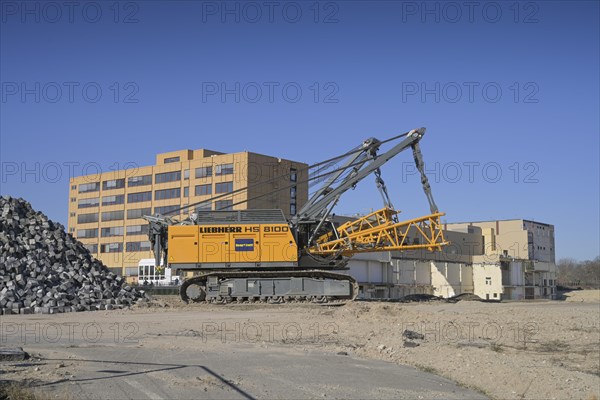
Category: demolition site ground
[165,348]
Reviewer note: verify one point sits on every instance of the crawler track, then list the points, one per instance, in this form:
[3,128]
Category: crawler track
[198,289]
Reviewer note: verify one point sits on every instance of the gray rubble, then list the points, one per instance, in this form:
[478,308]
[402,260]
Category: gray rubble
[45,270]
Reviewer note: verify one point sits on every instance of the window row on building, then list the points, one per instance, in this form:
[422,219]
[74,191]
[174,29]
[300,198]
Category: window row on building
[162,177]
[139,212]
[162,194]
[117,247]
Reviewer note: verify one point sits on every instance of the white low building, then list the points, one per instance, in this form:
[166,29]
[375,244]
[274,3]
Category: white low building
[476,261]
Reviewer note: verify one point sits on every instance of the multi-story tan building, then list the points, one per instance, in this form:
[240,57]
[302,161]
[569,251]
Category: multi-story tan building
[515,238]
[525,252]
[105,210]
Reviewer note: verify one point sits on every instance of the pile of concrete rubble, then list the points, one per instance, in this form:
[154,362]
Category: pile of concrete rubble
[45,270]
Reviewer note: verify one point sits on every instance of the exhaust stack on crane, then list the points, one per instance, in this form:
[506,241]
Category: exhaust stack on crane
[259,255]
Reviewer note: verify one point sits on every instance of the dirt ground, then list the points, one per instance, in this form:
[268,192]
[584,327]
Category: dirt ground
[582,296]
[509,350]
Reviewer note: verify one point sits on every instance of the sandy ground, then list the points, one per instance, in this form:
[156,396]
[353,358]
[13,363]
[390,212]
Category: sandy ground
[582,296]
[509,350]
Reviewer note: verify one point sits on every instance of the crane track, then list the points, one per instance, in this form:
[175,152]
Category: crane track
[201,281]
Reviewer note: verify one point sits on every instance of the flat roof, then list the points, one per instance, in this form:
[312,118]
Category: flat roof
[500,220]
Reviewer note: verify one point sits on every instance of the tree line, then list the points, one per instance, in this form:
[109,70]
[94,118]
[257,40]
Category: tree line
[573,273]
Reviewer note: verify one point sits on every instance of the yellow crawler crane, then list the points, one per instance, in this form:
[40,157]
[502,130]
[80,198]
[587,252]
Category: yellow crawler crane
[259,255]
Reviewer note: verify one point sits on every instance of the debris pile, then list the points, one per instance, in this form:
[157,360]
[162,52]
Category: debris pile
[45,270]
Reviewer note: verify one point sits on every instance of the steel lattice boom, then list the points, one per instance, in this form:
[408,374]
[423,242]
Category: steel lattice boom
[380,231]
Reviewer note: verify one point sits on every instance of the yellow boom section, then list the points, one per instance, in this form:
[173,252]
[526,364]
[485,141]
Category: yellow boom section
[379,232]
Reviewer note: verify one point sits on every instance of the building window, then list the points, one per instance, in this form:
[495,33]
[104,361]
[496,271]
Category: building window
[224,187]
[137,246]
[111,248]
[203,172]
[113,215]
[112,231]
[139,180]
[113,184]
[167,177]
[87,203]
[73,199]
[138,229]
[113,200]
[166,210]
[293,192]
[203,190]
[171,159]
[224,169]
[224,205]
[488,280]
[292,209]
[87,233]
[138,213]
[89,187]
[92,248]
[87,218]
[71,214]
[293,175]
[167,194]
[186,191]
[73,187]
[204,207]
[139,197]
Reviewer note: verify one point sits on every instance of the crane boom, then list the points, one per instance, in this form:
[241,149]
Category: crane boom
[378,231]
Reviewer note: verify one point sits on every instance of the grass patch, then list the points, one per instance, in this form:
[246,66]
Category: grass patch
[497,347]
[20,391]
[586,329]
[427,369]
[12,391]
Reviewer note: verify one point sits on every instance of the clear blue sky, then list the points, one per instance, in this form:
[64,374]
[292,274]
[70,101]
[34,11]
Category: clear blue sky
[381,68]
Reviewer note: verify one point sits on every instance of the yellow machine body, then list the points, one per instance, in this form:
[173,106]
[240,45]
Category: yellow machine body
[231,244]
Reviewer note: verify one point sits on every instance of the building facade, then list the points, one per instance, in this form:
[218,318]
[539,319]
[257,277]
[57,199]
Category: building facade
[508,259]
[525,252]
[105,210]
